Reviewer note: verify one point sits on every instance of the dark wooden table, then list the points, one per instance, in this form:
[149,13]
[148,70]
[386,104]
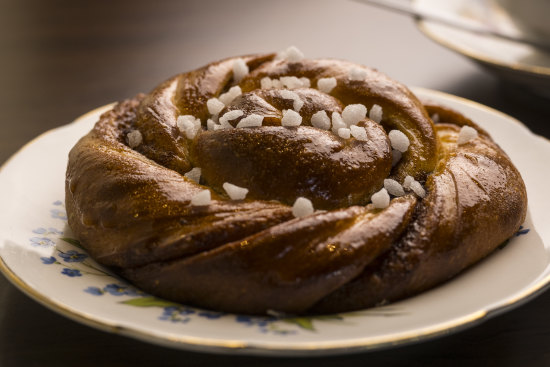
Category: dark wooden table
[61,58]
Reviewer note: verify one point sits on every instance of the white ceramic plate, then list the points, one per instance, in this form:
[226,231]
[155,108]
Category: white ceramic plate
[518,63]
[40,257]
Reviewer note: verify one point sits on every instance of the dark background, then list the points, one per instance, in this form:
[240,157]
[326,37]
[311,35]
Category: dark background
[60,59]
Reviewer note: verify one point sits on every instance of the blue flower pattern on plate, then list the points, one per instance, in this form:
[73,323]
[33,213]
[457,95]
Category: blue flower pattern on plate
[94,290]
[42,242]
[177,314]
[73,256]
[122,290]
[522,231]
[48,260]
[58,214]
[71,272]
[44,231]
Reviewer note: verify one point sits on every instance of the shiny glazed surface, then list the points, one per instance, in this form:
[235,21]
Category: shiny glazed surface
[131,208]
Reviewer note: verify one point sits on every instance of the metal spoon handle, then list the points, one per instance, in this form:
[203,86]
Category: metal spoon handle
[452,21]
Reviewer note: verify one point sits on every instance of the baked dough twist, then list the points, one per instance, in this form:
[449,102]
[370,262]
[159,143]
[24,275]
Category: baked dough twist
[132,209]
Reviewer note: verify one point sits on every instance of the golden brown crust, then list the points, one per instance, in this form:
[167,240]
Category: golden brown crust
[131,208]
[287,267]
[476,201]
